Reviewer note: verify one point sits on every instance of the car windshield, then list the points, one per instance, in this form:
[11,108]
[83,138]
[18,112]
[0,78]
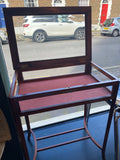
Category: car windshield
[118,20]
[108,22]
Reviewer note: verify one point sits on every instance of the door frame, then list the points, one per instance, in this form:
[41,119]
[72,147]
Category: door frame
[108,10]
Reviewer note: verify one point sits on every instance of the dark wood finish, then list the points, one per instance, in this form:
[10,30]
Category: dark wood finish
[36,65]
[60,91]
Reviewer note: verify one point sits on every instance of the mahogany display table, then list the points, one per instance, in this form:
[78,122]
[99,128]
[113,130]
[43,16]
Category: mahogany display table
[38,95]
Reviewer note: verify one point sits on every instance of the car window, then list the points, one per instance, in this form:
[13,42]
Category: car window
[45,20]
[63,18]
[26,20]
[118,20]
[108,21]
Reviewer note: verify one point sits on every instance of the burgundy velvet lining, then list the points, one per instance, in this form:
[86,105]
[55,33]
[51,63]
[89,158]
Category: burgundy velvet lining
[31,87]
[37,86]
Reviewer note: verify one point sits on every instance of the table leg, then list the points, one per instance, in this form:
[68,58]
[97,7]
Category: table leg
[107,130]
[28,126]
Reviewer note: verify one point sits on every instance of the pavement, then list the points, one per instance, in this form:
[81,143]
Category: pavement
[95,30]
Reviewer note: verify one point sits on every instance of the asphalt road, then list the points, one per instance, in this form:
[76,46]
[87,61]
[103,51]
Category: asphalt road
[105,52]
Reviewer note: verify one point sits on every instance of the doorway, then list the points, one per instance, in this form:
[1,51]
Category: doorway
[104,11]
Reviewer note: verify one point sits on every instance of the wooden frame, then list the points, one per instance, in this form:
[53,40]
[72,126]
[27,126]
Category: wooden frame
[84,82]
[36,65]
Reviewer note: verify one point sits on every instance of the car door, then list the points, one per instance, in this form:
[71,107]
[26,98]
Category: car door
[118,21]
[49,25]
[66,28]
[60,27]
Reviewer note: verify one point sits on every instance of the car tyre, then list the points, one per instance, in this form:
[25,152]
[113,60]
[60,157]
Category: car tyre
[80,34]
[102,34]
[39,36]
[115,33]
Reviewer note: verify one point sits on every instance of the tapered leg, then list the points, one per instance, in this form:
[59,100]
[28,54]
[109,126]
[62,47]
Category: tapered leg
[107,131]
[28,126]
[87,112]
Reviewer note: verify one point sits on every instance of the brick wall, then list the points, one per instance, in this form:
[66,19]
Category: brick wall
[45,3]
[16,3]
[71,2]
[48,3]
[95,10]
[115,10]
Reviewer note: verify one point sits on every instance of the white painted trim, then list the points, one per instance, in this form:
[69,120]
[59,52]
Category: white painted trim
[65,117]
[7,3]
[109,8]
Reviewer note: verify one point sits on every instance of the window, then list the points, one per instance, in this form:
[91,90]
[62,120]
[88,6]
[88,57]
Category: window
[56,3]
[2,1]
[51,19]
[118,20]
[105,1]
[31,3]
[83,2]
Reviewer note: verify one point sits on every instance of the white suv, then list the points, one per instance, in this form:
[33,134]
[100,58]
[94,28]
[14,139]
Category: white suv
[39,28]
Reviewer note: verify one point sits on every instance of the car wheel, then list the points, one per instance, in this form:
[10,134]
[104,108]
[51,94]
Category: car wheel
[115,33]
[39,36]
[80,34]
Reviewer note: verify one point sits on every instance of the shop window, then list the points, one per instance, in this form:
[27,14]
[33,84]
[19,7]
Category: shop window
[31,3]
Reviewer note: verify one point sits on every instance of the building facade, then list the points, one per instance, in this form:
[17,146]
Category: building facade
[101,9]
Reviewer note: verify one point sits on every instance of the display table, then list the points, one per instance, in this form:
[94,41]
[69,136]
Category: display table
[37,95]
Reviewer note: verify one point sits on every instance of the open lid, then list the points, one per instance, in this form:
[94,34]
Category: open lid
[27,65]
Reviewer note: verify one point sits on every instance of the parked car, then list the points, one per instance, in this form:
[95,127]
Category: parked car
[111,27]
[3,37]
[40,28]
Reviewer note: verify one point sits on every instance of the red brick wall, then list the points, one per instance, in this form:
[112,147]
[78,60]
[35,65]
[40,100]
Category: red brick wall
[71,2]
[16,3]
[48,3]
[95,10]
[45,3]
[115,9]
